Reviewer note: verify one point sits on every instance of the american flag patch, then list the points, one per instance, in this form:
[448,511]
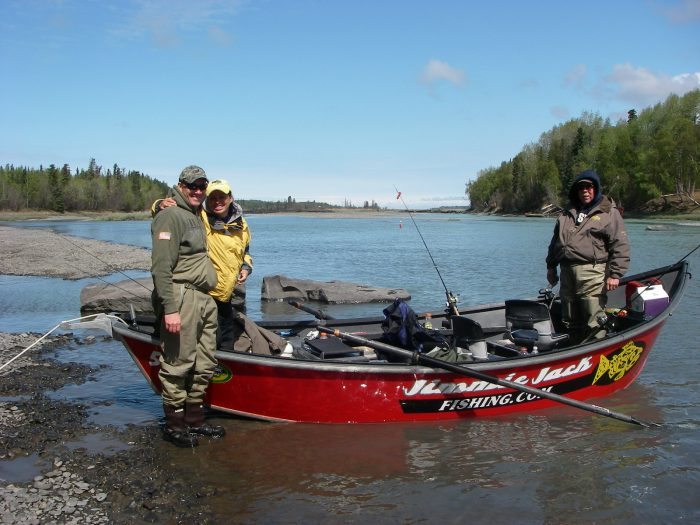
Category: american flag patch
[164,236]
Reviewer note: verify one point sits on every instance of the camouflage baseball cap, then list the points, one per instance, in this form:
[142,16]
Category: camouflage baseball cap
[193,173]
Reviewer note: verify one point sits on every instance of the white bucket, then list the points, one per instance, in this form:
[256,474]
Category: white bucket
[479,350]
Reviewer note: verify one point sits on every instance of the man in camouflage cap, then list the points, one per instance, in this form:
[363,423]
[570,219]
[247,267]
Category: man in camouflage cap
[192,174]
[183,275]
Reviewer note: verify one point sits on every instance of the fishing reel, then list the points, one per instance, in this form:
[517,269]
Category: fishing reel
[450,307]
[609,320]
[452,301]
[547,295]
[606,325]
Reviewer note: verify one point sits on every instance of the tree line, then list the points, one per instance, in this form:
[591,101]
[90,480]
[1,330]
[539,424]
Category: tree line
[646,156]
[114,189]
[91,189]
[292,205]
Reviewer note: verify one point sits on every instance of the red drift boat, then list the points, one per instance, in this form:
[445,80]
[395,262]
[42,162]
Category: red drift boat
[510,359]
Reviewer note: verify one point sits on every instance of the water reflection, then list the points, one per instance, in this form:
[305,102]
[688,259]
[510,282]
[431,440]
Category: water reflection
[117,393]
[22,469]
[374,469]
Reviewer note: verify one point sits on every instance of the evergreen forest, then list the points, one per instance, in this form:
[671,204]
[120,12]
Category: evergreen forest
[97,190]
[91,189]
[649,154]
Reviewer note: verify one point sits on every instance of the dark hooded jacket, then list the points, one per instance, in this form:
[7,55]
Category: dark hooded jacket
[598,238]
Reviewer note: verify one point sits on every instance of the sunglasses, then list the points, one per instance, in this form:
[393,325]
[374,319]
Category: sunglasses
[192,186]
[585,187]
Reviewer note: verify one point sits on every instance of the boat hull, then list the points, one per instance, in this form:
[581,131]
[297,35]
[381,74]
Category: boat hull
[320,391]
[277,389]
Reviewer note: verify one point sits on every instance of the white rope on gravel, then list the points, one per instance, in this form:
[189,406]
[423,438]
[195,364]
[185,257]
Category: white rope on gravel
[99,321]
[29,347]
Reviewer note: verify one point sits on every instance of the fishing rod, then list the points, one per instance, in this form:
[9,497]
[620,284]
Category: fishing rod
[108,265]
[451,299]
[115,285]
[688,254]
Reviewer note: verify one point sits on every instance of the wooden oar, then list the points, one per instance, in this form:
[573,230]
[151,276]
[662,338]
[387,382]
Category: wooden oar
[318,314]
[463,370]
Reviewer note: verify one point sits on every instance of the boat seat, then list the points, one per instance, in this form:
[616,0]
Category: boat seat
[529,324]
[468,334]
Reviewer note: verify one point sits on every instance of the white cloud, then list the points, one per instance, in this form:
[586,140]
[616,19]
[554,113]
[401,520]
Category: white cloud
[576,76]
[641,86]
[220,36]
[559,112]
[684,11]
[436,70]
[165,20]
[529,83]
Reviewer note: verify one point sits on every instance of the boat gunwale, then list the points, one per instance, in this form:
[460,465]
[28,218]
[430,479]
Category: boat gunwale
[679,283]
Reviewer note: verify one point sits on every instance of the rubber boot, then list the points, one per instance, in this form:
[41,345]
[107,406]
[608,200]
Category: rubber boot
[175,429]
[194,419]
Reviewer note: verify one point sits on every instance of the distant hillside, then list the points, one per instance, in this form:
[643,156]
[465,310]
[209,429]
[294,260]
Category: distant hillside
[651,154]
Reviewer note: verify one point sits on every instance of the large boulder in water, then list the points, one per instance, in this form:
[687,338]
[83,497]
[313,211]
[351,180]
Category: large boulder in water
[117,297]
[122,295]
[282,288]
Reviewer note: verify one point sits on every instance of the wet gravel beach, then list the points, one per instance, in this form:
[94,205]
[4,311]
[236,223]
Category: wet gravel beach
[136,482]
[48,254]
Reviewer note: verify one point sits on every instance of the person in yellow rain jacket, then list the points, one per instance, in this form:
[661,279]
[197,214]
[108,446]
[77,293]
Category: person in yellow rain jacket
[228,241]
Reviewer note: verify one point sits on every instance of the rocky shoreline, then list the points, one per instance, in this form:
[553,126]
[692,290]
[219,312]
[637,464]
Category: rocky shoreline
[138,482]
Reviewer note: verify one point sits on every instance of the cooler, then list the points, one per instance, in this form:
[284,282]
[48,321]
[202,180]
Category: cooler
[646,299]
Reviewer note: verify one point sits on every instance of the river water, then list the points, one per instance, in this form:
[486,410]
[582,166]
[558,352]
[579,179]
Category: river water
[554,466]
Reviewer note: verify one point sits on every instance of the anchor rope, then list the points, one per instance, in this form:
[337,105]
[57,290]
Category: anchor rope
[59,325]
[108,265]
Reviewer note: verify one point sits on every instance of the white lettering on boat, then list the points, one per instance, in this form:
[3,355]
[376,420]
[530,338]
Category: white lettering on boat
[425,387]
[510,398]
[154,358]
[557,373]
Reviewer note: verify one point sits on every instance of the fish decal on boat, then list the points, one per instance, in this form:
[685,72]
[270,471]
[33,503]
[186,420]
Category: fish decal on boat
[618,363]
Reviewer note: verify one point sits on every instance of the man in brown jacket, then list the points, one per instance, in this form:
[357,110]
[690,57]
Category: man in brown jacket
[590,246]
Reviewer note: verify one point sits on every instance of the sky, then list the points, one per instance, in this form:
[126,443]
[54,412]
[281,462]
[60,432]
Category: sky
[328,100]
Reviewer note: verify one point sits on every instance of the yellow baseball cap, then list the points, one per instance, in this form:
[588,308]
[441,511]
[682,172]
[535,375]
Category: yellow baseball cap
[218,185]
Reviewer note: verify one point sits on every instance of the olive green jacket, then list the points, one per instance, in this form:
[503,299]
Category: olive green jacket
[179,254]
